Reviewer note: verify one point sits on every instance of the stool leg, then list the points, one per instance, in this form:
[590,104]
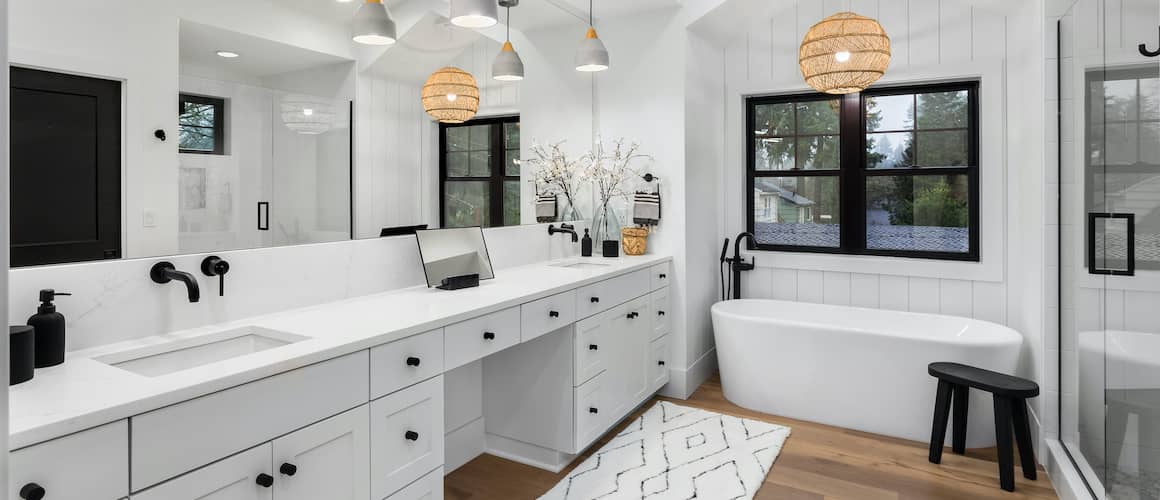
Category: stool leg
[959,436]
[1003,438]
[938,432]
[1023,438]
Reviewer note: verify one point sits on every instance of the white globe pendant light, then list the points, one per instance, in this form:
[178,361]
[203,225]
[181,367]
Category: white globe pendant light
[592,55]
[373,24]
[474,13]
[508,67]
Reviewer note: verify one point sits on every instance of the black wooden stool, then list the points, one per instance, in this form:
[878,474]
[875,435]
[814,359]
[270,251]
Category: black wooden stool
[1010,395]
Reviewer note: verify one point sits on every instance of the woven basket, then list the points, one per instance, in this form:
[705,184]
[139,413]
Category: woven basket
[635,240]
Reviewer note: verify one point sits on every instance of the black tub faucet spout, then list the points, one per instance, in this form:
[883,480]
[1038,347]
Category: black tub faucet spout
[164,272]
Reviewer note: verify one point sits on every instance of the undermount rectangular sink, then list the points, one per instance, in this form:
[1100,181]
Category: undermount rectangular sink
[579,265]
[184,354]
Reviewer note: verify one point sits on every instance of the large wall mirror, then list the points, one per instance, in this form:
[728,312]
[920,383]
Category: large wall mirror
[144,129]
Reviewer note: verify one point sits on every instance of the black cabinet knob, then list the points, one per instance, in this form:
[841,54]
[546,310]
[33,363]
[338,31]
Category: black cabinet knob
[411,436]
[629,316]
[32,491]
[488,336]
[593,347]
[265,480]
[660,313]
[593,410]
[413,361]
[633,315]
[664,276]
[288,469]
[553,314]
[660,363]
[594,300]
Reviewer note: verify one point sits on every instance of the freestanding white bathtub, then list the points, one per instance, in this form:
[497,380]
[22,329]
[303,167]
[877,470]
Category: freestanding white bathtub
[862,369]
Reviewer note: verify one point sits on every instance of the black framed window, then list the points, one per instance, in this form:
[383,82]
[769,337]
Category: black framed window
[201,124]
[479,172]
[891,171]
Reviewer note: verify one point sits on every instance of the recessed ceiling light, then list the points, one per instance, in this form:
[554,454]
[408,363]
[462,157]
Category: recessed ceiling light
[227,54]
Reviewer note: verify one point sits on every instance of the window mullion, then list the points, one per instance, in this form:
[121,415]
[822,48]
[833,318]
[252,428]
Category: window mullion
[852,179]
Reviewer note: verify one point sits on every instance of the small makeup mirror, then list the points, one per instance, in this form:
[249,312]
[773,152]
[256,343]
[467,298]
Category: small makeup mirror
[454,252]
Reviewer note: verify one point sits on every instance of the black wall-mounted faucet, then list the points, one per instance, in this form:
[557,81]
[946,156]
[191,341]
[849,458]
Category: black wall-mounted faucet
[216,266]
[564,228]
[164,272]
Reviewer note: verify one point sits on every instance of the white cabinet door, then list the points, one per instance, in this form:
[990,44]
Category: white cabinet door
[632,374]
[594,344]
[406,436]
[235,478]
[592,412]
[662,319]
[330,459]
[88,465]
[658,363]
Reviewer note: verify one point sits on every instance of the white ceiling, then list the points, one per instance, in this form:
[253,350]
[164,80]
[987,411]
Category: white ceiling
[259,57]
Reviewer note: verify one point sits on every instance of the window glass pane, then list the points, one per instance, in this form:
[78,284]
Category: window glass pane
[457,138]
[890,112]
[511,164]
[1121,143]
[480,164]
[801,211]
[511,134]
[480,136]
[942,149]
[891,150]
[465,203]
[816,153]
[195,139]
[818,117]
[197,115]
[511,203]
[1150,98]
[774,119]
[942,110]
[774,153]
[1120,100]
[457,165]
[1150,143]
[918,212]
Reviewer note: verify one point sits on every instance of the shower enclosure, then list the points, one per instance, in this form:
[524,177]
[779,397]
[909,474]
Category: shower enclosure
[1108,143]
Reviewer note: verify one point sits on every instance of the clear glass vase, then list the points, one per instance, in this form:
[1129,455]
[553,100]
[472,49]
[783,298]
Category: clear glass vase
[568,211]
[605,224]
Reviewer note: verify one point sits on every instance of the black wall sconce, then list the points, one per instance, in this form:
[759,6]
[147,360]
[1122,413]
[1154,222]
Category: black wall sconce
[160,134]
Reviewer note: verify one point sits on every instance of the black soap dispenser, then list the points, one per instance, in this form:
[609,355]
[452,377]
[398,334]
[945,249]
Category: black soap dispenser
[49,326]
[586,245]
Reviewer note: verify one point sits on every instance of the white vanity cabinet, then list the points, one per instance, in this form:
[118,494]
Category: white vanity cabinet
[406,437]
[89,465]
[234,478]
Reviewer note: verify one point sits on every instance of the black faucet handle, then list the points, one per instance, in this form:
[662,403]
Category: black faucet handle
[216,266]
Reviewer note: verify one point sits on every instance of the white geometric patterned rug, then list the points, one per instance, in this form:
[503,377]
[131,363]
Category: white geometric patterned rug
[675,452]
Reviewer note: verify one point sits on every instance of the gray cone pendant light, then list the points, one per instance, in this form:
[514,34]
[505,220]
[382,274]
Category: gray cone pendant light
[373,24]
[592,56]
[474,13]
[508,67]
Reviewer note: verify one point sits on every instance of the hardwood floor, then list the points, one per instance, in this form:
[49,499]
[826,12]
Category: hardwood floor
[817,462]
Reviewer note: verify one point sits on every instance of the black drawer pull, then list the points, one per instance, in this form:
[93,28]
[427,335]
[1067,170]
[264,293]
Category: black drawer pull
[413,361]
[593,347]
[593,410]
[32,491]
[265,480]
[660,363]
[553,314]
[411,436]
[594,300]
[288,469]
[664,276]
[660,313]
[488,336]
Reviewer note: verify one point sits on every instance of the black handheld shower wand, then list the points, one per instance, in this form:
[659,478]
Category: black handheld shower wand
[724,286]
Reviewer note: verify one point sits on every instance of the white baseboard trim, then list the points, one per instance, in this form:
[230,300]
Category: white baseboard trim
[462,445]
[1064,477]
[682,383]
[528,454]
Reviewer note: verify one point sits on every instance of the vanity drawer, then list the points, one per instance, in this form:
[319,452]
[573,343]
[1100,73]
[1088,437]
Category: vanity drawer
[477,338]
[658,363]
[429,487]
[547,315]
[592,348]
[91,464]
[602,296]
[659,275]
[662,319]
[233,478]
[185,436]
[406,436]
[592,414]
[406,362]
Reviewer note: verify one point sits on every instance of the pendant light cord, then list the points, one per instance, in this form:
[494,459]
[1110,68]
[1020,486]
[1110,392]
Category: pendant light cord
[509,24]
[590,23]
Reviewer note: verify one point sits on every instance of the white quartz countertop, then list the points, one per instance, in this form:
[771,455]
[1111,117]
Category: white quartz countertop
[83,393]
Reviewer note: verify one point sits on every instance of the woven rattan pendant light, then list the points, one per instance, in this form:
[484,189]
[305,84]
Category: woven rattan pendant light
[451,95]
[844,53]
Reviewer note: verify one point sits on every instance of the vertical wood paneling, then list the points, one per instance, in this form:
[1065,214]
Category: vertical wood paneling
[923,27]
[757,284]
[784,284]
[894,293]
[955,298]
[809,12]
[810,286]
[868,8]
[784,46]
[989,302]
[1139,19]
[924,295]
[864,290]
[836,288]
[895,18]
[760,42]
[831,7]
[955,20]
[986,24]
[1113,13]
